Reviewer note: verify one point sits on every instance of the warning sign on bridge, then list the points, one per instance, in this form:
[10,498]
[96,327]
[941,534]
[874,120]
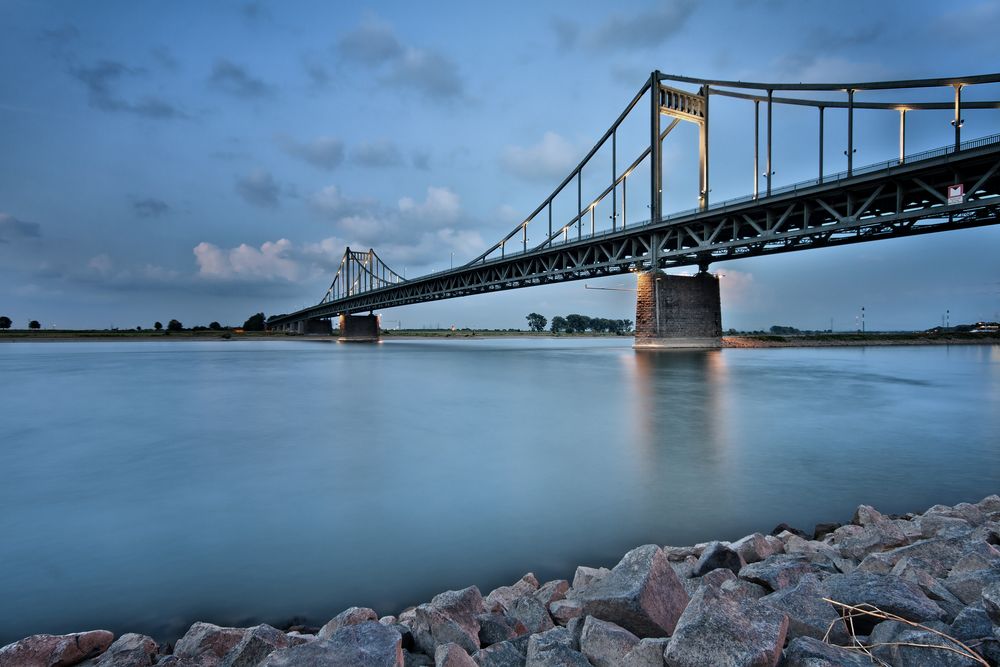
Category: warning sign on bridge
[956,193]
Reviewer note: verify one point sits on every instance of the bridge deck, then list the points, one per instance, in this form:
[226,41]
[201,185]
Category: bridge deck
[882,201]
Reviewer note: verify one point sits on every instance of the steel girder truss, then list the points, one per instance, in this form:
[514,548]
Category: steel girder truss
[901,200]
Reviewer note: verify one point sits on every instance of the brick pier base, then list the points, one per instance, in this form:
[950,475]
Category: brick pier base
[678,311]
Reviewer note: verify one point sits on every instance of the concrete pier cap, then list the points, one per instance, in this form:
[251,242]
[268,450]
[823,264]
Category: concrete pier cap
[678,312]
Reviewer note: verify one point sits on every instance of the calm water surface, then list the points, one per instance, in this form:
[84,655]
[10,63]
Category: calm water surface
[147,485]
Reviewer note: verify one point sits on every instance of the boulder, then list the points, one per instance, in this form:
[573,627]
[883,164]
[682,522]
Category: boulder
[968,586]
[55,650]
[718,629]
[450,617]
[415,660]
[368,644]
[757,547]
[678,554]
[129,650]
[532,614]
[990,506]
[808,615]
[869,531]
[641,594]
[717,555]
[939,554]
[503,654]
[972,625]
[991,600]
[501,599]
[914,647]
[605,644]
[257,643]
[554,648]
[551,591]
[452,655]
[496,627]
[647,653]
[780,571]
[206,643]
[565,610]
[888,593]
[823,529]
[981,556]
[785,528]
[744,589]
[585,576]
[915,570]
[351,616]
[811,652]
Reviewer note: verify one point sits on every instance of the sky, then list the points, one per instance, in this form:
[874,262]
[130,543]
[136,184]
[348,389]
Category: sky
[205,161]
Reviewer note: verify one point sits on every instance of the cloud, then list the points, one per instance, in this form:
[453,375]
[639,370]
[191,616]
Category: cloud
[441,205]
[331,203]
[380,153]
[323,152]
[164,58]
[417,232]
[101,264]
[628,32]
[235,80]
[374,45]
[102,81]
[150,207]
[12,229]
[551,158]
[259,188]
[272,261]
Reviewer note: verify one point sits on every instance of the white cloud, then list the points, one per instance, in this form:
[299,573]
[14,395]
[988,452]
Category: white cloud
[441,205]
[272,261]
[551,158]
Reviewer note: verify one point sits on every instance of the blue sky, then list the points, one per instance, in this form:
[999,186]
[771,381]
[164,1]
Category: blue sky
[205,161]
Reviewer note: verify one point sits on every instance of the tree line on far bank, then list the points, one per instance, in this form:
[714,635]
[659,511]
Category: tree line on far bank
[576,323]
[253,323]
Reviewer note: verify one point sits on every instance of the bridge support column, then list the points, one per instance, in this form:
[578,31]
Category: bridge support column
[359,328]
[319,327]
[678,311]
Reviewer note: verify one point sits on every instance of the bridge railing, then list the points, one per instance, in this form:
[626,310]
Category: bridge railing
[794,187]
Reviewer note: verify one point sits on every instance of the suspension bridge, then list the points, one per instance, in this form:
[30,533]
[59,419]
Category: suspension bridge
[956,186]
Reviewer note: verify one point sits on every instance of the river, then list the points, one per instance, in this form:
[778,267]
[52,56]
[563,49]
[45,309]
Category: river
[145,485]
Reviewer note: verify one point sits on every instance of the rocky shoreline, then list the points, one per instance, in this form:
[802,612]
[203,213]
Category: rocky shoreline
[918,589]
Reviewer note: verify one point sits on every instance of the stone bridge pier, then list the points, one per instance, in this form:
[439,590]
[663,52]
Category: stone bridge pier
[359,328]
[681,312]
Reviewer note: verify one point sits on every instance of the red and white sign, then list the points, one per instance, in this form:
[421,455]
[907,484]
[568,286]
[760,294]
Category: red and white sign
[956,193]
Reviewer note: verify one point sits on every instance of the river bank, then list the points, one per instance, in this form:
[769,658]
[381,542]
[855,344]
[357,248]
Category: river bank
[906,590]
[735,342]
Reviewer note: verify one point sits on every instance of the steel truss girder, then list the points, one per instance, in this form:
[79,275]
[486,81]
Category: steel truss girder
[901,201]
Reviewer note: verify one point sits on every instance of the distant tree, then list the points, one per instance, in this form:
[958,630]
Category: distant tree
[576,323]
[5,322]
[174,325]
[254,323]
[536,322]
[33,324]
[215,326]
[558,324]
[158,326]
[199,328]
[784,331]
